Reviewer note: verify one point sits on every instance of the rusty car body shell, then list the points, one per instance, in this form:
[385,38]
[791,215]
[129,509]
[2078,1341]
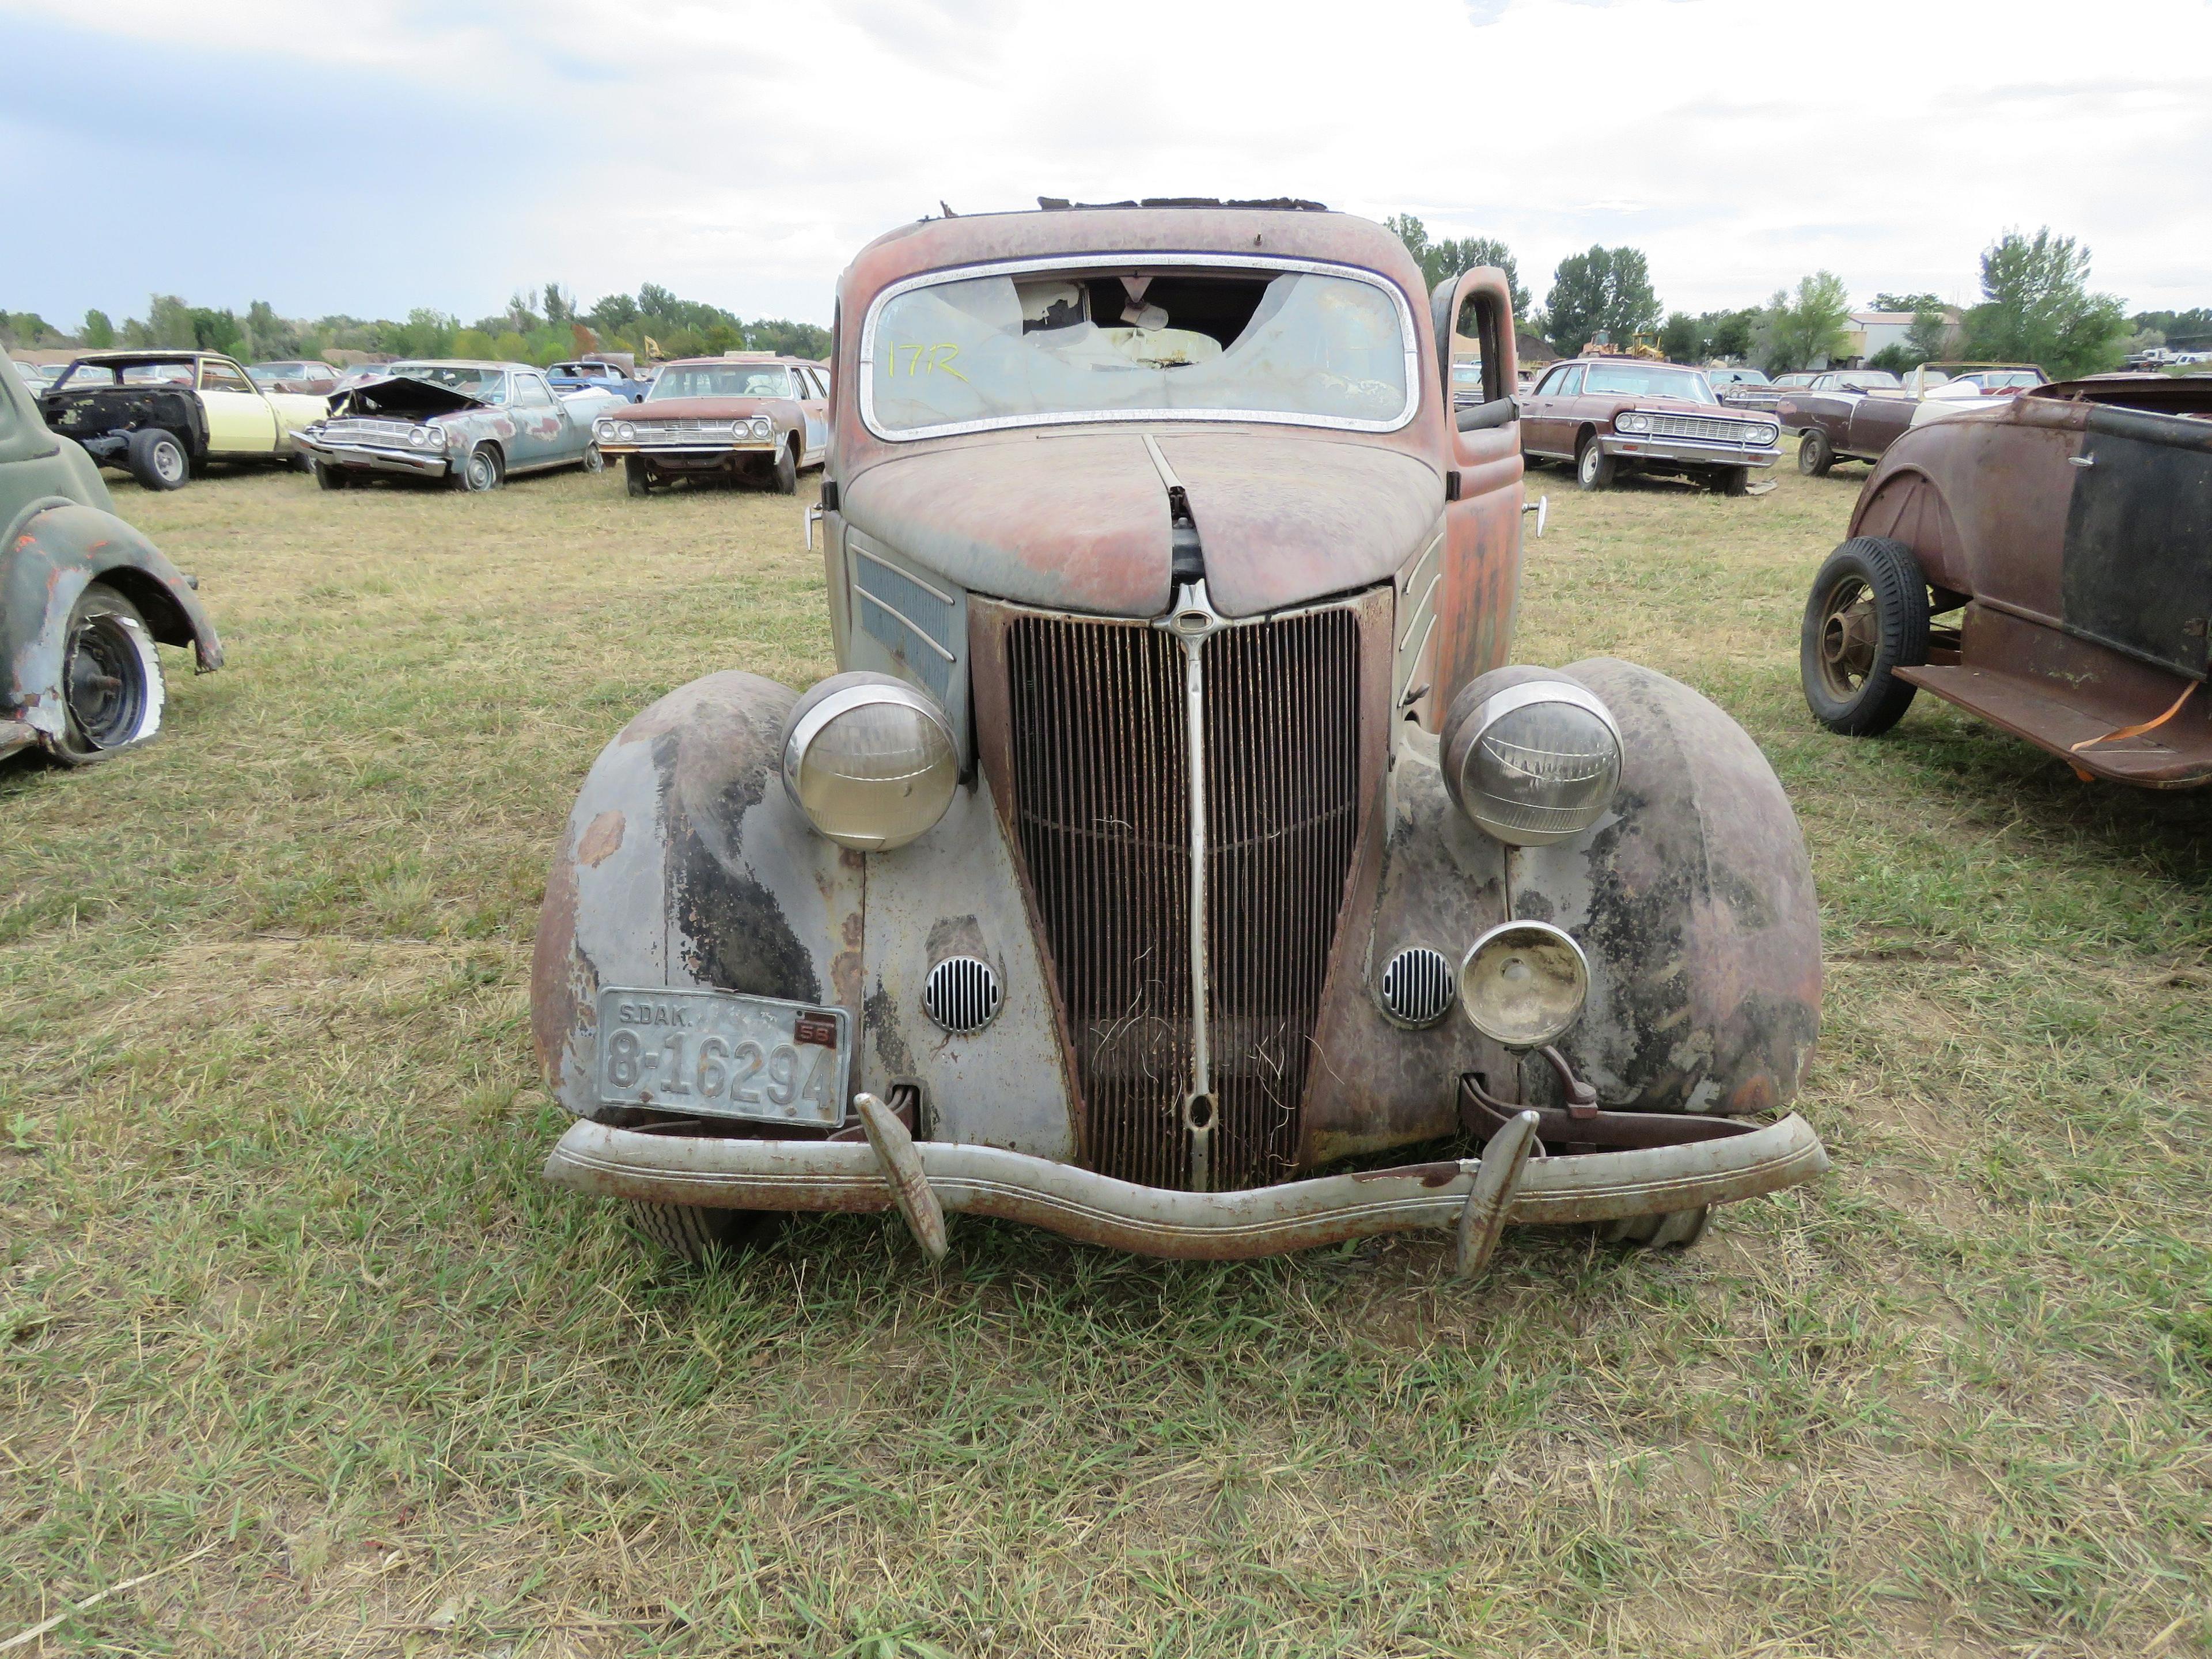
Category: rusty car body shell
[59,534]
[2068,526]
[238,420]
[1556,423]
[1858,422]
[694,437]
[995,569]
[373,429]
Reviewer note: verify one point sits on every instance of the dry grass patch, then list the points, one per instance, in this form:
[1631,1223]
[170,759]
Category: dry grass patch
[277,1274]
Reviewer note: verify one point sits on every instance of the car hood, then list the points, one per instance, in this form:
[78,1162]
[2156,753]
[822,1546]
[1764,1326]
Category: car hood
[700,409]
[1079,520]
[402,394]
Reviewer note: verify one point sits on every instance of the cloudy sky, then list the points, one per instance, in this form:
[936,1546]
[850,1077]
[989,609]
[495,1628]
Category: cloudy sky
[387,154]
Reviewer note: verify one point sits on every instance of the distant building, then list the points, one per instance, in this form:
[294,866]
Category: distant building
[1873,332]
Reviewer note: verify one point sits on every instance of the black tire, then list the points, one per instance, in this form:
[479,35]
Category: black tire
[157,458]
[698,1235]
[112,692]
[594,461]
[482,469]
[1594,468]
[1816,454]
[1866,618]
[1732,481]
[331,478]
[636,477]
[302,461]
[1676,1228]
[784,479]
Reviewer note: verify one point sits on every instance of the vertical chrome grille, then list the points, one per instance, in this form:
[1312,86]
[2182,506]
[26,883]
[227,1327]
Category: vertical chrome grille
[1100,759]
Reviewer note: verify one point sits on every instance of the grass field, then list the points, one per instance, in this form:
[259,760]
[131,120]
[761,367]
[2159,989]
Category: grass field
[287,1312]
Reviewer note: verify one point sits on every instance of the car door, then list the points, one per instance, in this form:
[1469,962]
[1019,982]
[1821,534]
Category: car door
[1537,426]
[814,406]
[1562,412]
[240,421]
[544,434]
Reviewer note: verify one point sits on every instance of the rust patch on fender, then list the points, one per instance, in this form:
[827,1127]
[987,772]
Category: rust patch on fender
[601,841]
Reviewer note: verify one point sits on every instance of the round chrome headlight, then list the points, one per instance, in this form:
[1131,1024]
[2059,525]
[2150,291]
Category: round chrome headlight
[437,438]
[1531,758]
[1764,434]
[869,761]
[419,436]
[603,429]
[1631,422]
[1523,983]
[760,429]
[625,432]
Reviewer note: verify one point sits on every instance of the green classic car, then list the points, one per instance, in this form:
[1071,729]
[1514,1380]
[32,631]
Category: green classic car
[84,600]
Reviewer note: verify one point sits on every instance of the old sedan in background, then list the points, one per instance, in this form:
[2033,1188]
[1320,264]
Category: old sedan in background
[472,425]
[315,378]
[84,600]
[162,415]
[749,416]
[619,378]
[1611,415]
[1176,828]
[2066,528]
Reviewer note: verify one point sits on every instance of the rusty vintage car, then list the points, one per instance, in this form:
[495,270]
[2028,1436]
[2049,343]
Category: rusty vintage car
[468,425]
[84,601]
[1611,416]
[749,417]
[1178,828]
[2066,528]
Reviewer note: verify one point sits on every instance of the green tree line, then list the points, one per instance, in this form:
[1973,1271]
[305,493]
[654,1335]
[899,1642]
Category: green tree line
[536,327]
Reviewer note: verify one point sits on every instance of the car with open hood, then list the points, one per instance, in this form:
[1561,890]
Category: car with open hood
[469,424]
[162,415]
[747,416]
[1613,415]
[2060,534]
[85,600]
[1178,844]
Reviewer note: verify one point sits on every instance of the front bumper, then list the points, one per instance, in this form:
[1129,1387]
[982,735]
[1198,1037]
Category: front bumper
[691,457]
[714,1172]
[1688,452]
[367,458]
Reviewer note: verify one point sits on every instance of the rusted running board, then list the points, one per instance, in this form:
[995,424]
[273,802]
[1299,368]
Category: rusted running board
[1297,1215]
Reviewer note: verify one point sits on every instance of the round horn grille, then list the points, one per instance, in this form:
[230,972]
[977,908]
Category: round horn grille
[963,994]
[1418,986]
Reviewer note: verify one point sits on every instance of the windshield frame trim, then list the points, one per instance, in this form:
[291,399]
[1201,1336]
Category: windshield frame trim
[1108,259]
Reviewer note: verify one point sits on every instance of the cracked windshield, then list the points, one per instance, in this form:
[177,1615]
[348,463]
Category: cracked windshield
[1011,349]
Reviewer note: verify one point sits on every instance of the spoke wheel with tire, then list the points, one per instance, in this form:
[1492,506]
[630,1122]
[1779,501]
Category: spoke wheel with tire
[636,477]
[1816,454]
[483,469]
[111,688]
[157,460]
[1593,468]
[594,461]
[699,1235]
[784,480]
[1866,618]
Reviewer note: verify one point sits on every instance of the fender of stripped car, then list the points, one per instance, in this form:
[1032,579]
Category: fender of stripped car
[1692,898]
[54,549]
[684,865]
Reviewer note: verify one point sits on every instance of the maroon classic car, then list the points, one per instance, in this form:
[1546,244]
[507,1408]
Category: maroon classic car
[1176,828]
[1611,415]
[749,415]
[2066,528]
[1844,414]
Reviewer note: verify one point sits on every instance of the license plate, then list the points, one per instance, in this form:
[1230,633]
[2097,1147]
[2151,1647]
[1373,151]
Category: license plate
[722,1054]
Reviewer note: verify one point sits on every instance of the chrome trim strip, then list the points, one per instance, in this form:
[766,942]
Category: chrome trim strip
[855,541]
[865,367]
[911,626]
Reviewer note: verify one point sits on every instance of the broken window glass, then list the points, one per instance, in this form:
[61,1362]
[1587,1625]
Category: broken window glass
[1010,350]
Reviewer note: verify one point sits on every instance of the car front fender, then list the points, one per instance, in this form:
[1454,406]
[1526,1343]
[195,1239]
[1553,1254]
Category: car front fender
[56,549]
